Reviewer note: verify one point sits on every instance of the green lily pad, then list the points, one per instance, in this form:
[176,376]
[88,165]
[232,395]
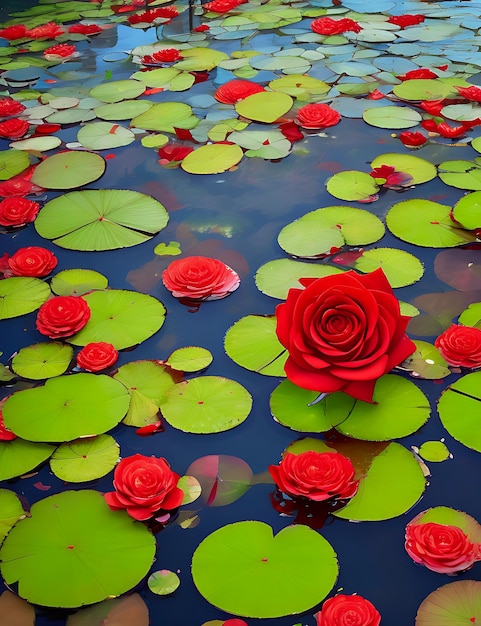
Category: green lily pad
[425,89]
[66,407]
[77,282]
[117,90]
[170,249]
[426,362]
[120,317]
[104,136]
[200,59]
[12,162]
[190,359]
[462,113]
[265,106]
[451,605]
[300,86]
[275,278]
[37,144]
[434,451]
[18,457]
[67,170]
[318,232]
[212,159]
[268,144]
[207,404]
[147,383]
[252,343]
[451,517]
[459,407]
[101,219]
[75,536]
[165,117]
[125,110]
[42,360]
[352,185]
[163,582]
[244,569]
[467,210]
[167,78]
[461,174]
[471,316]
[425,223]
[20,295]
[400,267]
[391,117]
[85,459]
[419,170]
[393,484]
[11,511]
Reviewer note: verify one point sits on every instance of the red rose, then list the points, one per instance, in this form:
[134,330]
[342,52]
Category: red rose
[50,30]
[167,55]
[143,486]
[441,548]
[32,261]
[235,90]
[406,20]
[14,128]
[412,140]
[17,211]
[62,51]
[200,278]
[343,610]
[317,116]
[97,356]
[421,73]
[328,26]
[62,316]
[342,332]
[19,31]
[314,475]
[9,106]
[460,345]
[85,29]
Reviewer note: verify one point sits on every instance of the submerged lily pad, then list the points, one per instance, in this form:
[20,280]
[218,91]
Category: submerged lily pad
[75,536]
[451,605]
[244,569]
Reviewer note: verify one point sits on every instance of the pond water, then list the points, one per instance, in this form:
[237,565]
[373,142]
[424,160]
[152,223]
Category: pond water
[236,216]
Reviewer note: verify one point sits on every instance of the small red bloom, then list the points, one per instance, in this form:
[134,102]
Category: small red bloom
[235,90]
[430,125]
[291,131]
[406,20]
[412,140]
[433,107]
[149,16]
[200,278]
[470,93]
[222,6]
[97,356]
[45,31]
[451,132]
[17,211]
[173,152]
[317,116]
[62,51]
[19,31]
[14,128]
[329,26]
[85,29]
[62,316]
[201,28]
[422,72]
[167,55]
[9,106]
[375,95]
[32,261]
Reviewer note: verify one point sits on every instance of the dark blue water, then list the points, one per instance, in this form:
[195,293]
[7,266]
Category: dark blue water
[254,203]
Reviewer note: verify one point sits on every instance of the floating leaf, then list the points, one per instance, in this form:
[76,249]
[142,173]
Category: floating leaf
[75,536]
[275,278]
[212,159]
[77,282]
[244,569]
[461,174]
[104,136]
[434,451]
[472,315]
[20,295]
[42,360]
[67,170]
[467,210]
[199,59]
[223,478]
[425,89]
[117,90]
[453,604]
[101,219]
[85,459]
[265,106]
[37,144]
[66,407]
[352,185]
[163,582]
[252,343]
[419,170]
[166,78]
[12,162]
[300,86]
[171,249]
[426,362]
[18,457]
[458,409]
[11,511]
[392,117]
[165,117]
[207,404]
[125,110]
[120,317]
[400,267]
[190,359]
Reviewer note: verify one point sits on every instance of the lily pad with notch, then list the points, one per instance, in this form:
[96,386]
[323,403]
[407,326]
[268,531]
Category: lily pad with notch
[85,459]
[42,360]
[20,295]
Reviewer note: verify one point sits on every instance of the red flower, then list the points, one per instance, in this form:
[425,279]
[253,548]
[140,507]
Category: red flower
[375,94]
[5,433]
[390,176]
[45,31]
[470,93]
[328,26]
[441,548]
[9,106]
[222,6]
[174,153]
[343,610]
[62,51]
[62,316]
[314,475]
[342,332]
[291,131]
[19,31]
[422,72]
[317,116]
[433,107]
[452,132]
[97,356]
[200,278]
[412,140]
[14,128]
[406,20]
[149,16]
[200,29]
[429,125]
[32,261]
[460,345]
[85,29]
[17,211]
[235,90]
[167,55]
[144,485]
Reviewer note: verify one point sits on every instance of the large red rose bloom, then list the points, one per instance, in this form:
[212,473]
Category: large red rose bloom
[32,261]
[62,316]
[344,610]
[460,345]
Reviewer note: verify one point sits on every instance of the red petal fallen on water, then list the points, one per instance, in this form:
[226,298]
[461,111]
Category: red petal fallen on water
[183,134]
[348,258]
[150,429]
[41,486]
[109,156]
[149,92]
[213,493]
[49,81]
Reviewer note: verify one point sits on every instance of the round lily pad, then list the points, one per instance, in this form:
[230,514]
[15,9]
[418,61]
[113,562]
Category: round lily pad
[461,174]
[165,117]
[244,569]
[212,158]
[163,582]
[85,459]
[77,282]
[425,89]
[434,451]
[20,295]
[252,343]
[37,144]
[299,86]
[117,90]
[451,605]
[67,170]
[426,362]
[75,536]
[467,210]
[190,359]
[392,485]
[459,407]
[319,232]
[400,267]
[66,407]
[472,315]
[18,457]
[419,170]
[101,219]
[352,185]
[12,162]
[120,317]
[104,136]
[125,110]
[42,360]
[11,511]
[391,117]
[265,106]
[207,404]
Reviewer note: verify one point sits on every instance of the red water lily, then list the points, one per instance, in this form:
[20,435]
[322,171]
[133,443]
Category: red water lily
[419,74]
[17,211]
[390,176]
[329,26]
[85,29]
[149,16]
[167,55]
[9,106]
[5,434]
[173,153]
[14,128]
[433,107]
[317,116]
[236,90]
[406,20]
[291,131]
[470,93]
[19,31]
[412,140]
[50,30]
[61,51]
